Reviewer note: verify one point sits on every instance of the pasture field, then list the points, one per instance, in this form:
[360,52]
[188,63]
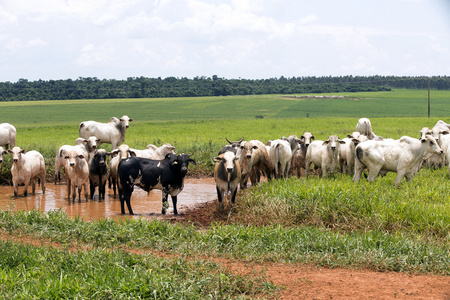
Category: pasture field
[330,222]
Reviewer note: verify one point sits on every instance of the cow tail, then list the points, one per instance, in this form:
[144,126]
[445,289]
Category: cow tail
[81,126]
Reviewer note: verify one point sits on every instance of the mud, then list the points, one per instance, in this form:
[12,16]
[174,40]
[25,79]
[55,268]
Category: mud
[196,191]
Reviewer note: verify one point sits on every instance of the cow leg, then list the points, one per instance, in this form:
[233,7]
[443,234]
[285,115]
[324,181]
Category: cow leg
[174,203]
[86,194]
[33,185]
[16,187]
[373,173]
[69,186]
[92,188]
[359,167]
[219,195]
[74,192]
[165,203]
[233,196]
[43,182]
[307,166]
[25,189]
[114,188]
[102,190]
[244,180]
[400,174]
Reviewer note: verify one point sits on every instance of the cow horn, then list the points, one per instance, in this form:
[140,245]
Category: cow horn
[228,140]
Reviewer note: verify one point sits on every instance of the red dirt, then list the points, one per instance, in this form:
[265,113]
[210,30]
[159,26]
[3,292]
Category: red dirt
[308,282]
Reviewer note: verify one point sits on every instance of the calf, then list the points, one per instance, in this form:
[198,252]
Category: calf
[26,167]
[166,175]
[227,175]
[402,156]
[281,158]
[84,147]
[254,159]
[299,154]
[117,155]
[112,132]
[323,155]
[77,173]
[97,173]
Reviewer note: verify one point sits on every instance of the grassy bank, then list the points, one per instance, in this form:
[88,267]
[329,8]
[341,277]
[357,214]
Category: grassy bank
[371,249]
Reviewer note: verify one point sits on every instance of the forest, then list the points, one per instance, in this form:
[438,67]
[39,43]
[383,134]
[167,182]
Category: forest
[143,87]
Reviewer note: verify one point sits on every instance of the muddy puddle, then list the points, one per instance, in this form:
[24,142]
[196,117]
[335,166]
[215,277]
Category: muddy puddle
[144,205]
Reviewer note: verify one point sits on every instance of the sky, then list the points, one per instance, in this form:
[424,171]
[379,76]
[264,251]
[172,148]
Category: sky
[251,39]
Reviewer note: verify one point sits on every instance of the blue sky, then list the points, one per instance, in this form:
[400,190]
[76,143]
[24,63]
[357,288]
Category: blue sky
[116,39]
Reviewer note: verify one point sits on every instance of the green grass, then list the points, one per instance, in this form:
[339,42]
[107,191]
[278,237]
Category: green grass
[371,249]
[330,222]
[51,273]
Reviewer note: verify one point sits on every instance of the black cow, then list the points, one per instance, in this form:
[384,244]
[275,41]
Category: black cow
[166,175]
[97,173]
[233,146]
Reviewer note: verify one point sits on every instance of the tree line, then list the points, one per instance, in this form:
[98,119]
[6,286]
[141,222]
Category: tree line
[143,87]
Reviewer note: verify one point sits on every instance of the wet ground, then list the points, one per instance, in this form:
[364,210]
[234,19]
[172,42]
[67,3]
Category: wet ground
[196,191]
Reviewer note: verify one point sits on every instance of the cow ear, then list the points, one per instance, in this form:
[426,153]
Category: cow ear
[130,120]
[98,140]
[217,159]
[192,161]
[444,132]
[9,151]
[349,136]
[132,153]
[325,143]
[313,138]
[423,140]
[23,151]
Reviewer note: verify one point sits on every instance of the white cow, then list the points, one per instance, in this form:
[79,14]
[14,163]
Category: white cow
[85,147]
[25,168]
[323,155]
[7,135]
[281,157]
[402,156]
[365,127]
[154,152]
[112,132]
[347,155]
[77,173]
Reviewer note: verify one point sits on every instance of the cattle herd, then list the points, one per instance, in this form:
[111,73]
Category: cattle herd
[238,162]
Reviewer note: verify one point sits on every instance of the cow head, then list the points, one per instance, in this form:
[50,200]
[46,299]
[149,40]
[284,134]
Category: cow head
[124,152]
[333,142]
[71,156]
[100,156]
[293,141]
[125,121]
[236,143]
[433,145]
[180,162]
[16,154]
[228,159]
[307,138]
[247,149]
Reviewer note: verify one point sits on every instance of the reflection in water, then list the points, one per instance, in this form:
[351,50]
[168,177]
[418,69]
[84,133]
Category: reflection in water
[195,191]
